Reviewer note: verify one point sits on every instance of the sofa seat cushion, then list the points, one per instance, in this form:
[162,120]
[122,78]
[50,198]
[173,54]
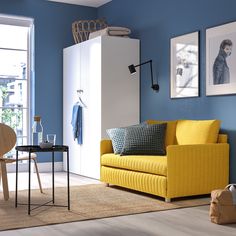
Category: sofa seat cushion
[147,164]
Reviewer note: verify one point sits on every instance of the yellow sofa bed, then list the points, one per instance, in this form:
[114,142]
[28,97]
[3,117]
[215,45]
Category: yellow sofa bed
[196,162]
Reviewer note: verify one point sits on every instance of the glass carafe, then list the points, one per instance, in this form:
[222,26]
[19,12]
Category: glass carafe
[37,131]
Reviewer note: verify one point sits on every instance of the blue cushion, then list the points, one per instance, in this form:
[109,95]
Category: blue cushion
[117,136]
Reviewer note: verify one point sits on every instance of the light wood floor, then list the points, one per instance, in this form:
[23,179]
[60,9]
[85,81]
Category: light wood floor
[181,222]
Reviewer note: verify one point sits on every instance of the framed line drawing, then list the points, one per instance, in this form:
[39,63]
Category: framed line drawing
[220,59]
[184,66]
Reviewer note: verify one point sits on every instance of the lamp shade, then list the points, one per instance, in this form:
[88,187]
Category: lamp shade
[132,69]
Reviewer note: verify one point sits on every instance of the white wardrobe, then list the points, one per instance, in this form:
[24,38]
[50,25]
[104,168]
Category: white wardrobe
[98,67]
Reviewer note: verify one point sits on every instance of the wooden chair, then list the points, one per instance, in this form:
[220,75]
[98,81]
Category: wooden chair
[7,142]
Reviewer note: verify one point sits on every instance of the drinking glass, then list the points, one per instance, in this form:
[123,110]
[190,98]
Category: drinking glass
[51,138]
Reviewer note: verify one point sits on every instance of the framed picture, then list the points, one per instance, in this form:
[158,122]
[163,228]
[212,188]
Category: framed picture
[220,59]
[184,66]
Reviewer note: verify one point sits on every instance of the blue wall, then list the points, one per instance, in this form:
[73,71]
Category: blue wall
[155,22]
[52,34]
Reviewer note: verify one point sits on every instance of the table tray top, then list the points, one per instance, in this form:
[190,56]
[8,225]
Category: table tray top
[37,148]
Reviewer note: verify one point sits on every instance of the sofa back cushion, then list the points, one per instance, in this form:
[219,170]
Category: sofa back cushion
[197,131]
[170,138]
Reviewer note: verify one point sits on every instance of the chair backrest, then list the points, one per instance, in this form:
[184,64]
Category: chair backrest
[7,139]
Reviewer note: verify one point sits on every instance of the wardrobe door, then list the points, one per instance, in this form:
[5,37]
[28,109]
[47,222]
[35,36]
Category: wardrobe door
[91,84]
[71,82]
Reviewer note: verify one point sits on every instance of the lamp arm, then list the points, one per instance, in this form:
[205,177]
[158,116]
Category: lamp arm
[151,72]
[150,61]
[154,86]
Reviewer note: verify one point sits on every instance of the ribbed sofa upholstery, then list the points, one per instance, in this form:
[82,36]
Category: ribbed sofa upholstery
[186,170]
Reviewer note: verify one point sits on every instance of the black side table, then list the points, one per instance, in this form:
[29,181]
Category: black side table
[32,149]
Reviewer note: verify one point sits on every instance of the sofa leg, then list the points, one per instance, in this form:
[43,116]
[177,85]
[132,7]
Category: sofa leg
[106,184]
[168,200]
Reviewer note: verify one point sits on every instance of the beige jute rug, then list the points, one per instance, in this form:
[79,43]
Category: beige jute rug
[87,202]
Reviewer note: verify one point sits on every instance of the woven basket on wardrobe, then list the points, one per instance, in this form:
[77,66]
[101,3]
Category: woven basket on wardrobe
[82,28]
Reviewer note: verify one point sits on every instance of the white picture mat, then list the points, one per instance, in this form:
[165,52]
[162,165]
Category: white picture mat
[191,39]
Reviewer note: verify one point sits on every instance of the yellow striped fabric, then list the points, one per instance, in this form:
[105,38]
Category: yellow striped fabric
[147,183]
[105,146]
[222,138]
[197,131]
[187,170]
[147,164]
[196,169]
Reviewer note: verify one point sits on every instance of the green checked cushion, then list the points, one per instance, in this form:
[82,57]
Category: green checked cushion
[146,140]
[117,136]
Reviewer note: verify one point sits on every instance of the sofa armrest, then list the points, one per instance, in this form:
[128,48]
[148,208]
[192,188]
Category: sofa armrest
[197,168]
[222,138]
[105,147]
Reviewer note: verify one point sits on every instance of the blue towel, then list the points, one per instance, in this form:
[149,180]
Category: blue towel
[76,123]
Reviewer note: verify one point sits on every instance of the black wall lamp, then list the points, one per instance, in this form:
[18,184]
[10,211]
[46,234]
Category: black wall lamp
[133,70]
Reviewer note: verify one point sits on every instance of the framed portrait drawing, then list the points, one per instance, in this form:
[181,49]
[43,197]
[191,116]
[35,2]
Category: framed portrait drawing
[220,59]
[184,66]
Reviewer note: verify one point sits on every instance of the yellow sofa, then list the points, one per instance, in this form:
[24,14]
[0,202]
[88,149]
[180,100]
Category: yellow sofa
[196,162]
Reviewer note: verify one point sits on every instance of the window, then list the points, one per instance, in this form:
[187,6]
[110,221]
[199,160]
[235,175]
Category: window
[16,75]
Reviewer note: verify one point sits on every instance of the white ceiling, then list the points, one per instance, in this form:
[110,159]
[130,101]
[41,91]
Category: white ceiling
[89,3]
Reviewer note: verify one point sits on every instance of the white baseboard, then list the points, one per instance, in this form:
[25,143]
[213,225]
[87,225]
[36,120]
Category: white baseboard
[47,166]
[22,167]
[43,167]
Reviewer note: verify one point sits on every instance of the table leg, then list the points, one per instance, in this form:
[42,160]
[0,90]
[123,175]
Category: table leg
[29,189]
[53,191]
[16,179]
[68,180]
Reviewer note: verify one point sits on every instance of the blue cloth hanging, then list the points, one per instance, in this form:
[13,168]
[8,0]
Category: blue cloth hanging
[76,123]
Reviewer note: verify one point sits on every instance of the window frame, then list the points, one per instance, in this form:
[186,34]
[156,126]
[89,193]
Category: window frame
[26,22]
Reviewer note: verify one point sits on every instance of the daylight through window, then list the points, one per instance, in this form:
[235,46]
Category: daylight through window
[15,57]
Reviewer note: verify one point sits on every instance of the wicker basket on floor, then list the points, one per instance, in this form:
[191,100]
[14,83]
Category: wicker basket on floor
[82,28]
